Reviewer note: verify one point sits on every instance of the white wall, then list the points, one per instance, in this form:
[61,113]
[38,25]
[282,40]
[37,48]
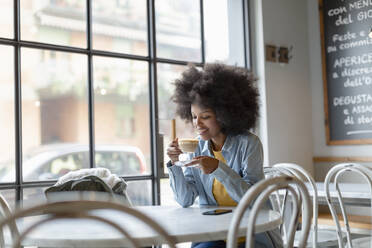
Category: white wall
[288,90]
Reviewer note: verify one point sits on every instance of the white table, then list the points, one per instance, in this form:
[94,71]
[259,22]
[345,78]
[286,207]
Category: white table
[184,224]
[352,193]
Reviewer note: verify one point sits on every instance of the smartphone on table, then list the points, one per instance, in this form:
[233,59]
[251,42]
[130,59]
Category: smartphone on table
[217,212]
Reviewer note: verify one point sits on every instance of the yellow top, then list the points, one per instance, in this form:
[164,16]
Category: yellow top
[219,192]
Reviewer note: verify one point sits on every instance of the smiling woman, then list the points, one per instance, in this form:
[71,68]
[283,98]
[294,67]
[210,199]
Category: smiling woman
[222,103]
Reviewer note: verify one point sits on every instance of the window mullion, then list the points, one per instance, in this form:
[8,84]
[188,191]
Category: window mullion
[17,101]
[202,32]
[151,31]
[247,35]
[90,86]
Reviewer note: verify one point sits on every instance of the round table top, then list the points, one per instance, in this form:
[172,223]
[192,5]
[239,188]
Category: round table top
[184,224]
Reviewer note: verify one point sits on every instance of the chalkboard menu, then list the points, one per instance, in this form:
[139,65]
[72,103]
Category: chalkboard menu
[347,70]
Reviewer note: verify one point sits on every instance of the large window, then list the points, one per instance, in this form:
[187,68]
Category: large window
[87,83]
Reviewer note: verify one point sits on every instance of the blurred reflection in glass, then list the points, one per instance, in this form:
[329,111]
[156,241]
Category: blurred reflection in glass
[178,29]
[33,196]
[225,43]
[120,26]
[54,113]
[7,132]
[139,192]
[122,114]
[167,109]
[6,19]
[61,22]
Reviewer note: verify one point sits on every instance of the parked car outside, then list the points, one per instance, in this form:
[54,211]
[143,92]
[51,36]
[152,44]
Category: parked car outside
[49,162]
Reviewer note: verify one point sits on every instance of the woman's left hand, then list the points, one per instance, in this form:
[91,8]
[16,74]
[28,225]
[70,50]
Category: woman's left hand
[206,164]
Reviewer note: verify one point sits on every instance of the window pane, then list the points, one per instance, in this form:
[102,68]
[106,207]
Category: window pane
[7,142]
[178,29]
[122,115]
[9,195]
[166,193]
[166,108]
[167,73]
[6,19]
[120,26]
[33,196]
[61,22]
[139,192]
[225,43]
[55,133]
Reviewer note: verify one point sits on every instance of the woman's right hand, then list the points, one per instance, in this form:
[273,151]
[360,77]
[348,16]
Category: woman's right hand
[173,151]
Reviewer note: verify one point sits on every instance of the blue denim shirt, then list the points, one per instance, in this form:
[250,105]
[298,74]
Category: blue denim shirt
[244,157]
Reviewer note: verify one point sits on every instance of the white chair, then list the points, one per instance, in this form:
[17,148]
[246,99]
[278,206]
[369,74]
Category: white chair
[258,195]
[82,209]
[279,200]
[333,175]
[4,213]
[317,237]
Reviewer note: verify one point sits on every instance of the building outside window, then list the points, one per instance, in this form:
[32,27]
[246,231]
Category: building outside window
[98,74]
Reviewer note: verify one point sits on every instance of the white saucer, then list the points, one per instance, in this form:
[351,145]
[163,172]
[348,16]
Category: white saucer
[183,163]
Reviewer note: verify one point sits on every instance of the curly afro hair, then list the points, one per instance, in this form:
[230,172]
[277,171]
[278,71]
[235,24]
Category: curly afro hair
[229,91]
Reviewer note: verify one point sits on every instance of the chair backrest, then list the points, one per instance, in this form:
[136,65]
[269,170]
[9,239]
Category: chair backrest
[257,196]
[4,213]
[333,175]
[301,174]
[82,209]
[280,200]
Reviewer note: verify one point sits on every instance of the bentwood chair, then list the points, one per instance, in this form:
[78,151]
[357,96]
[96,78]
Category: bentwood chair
[317,237]
[333,175]
[279,200]
[5,212]
[83,209]
[256,197]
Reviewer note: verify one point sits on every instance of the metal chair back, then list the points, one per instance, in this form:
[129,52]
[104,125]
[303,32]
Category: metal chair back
[82,209]
[334,175]
[256,197]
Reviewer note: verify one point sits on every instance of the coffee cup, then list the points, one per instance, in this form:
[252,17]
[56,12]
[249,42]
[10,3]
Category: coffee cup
[188,145]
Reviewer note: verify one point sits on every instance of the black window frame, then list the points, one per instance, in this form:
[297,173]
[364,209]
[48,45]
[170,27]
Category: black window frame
[156,164]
